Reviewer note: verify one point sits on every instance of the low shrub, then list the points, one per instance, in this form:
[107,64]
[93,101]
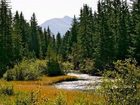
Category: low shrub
[54,68]
[26,70]
[87,66]
[123,88]
[67,66]
[6,89]
[10,75]
[42,65]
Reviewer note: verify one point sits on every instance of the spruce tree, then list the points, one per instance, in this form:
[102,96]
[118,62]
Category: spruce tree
[105,50]
[74,31]
[17,38]
[123,38]
[25,34]
[35,39]
[58,43]
[135,35]
[66,48]
[42,42]
[85,34]
[46,39]
[5,36]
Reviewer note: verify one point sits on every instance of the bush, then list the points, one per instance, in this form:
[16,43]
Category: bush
[26,70]
[42,65]
[123,88]
[10,75]
[54,68]
[6,89]
[87,66]
[67,66]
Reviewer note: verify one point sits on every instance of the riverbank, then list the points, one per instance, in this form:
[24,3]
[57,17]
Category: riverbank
[44,90]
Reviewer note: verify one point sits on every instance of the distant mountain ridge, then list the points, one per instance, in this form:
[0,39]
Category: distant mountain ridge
[61,25]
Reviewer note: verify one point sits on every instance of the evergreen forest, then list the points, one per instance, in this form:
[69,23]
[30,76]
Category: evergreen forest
[102,41]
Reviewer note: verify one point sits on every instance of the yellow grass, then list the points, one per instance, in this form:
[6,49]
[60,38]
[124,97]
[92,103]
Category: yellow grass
[48,91]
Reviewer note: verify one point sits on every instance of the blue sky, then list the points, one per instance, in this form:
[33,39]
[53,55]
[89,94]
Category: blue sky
[47,9]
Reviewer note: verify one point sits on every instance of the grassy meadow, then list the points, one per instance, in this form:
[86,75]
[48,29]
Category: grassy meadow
[42,92]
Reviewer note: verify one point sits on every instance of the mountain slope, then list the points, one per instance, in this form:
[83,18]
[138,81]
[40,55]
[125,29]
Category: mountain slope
[60,25]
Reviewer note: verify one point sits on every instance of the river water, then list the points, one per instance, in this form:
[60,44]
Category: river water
[84,82]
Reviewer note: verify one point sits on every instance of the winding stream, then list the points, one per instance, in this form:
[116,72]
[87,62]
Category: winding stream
[84,82]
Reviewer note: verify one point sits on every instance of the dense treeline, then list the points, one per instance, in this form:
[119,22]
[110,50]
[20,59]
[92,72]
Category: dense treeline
[109,34]
[99,38]
[21,39]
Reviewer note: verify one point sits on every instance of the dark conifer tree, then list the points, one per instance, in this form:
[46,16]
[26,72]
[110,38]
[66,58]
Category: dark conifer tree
[74,31]
[17,38]
[58,43]
[123,38]
[35,39]
[106,40]
[66,48]
[25,34]
[5,36]
[42,42]
[46,39]
[135,35]
[85,34]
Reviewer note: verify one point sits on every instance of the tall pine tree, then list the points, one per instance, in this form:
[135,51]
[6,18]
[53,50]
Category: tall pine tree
[17,38]
[35,39]
[5,36]
[85,34]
